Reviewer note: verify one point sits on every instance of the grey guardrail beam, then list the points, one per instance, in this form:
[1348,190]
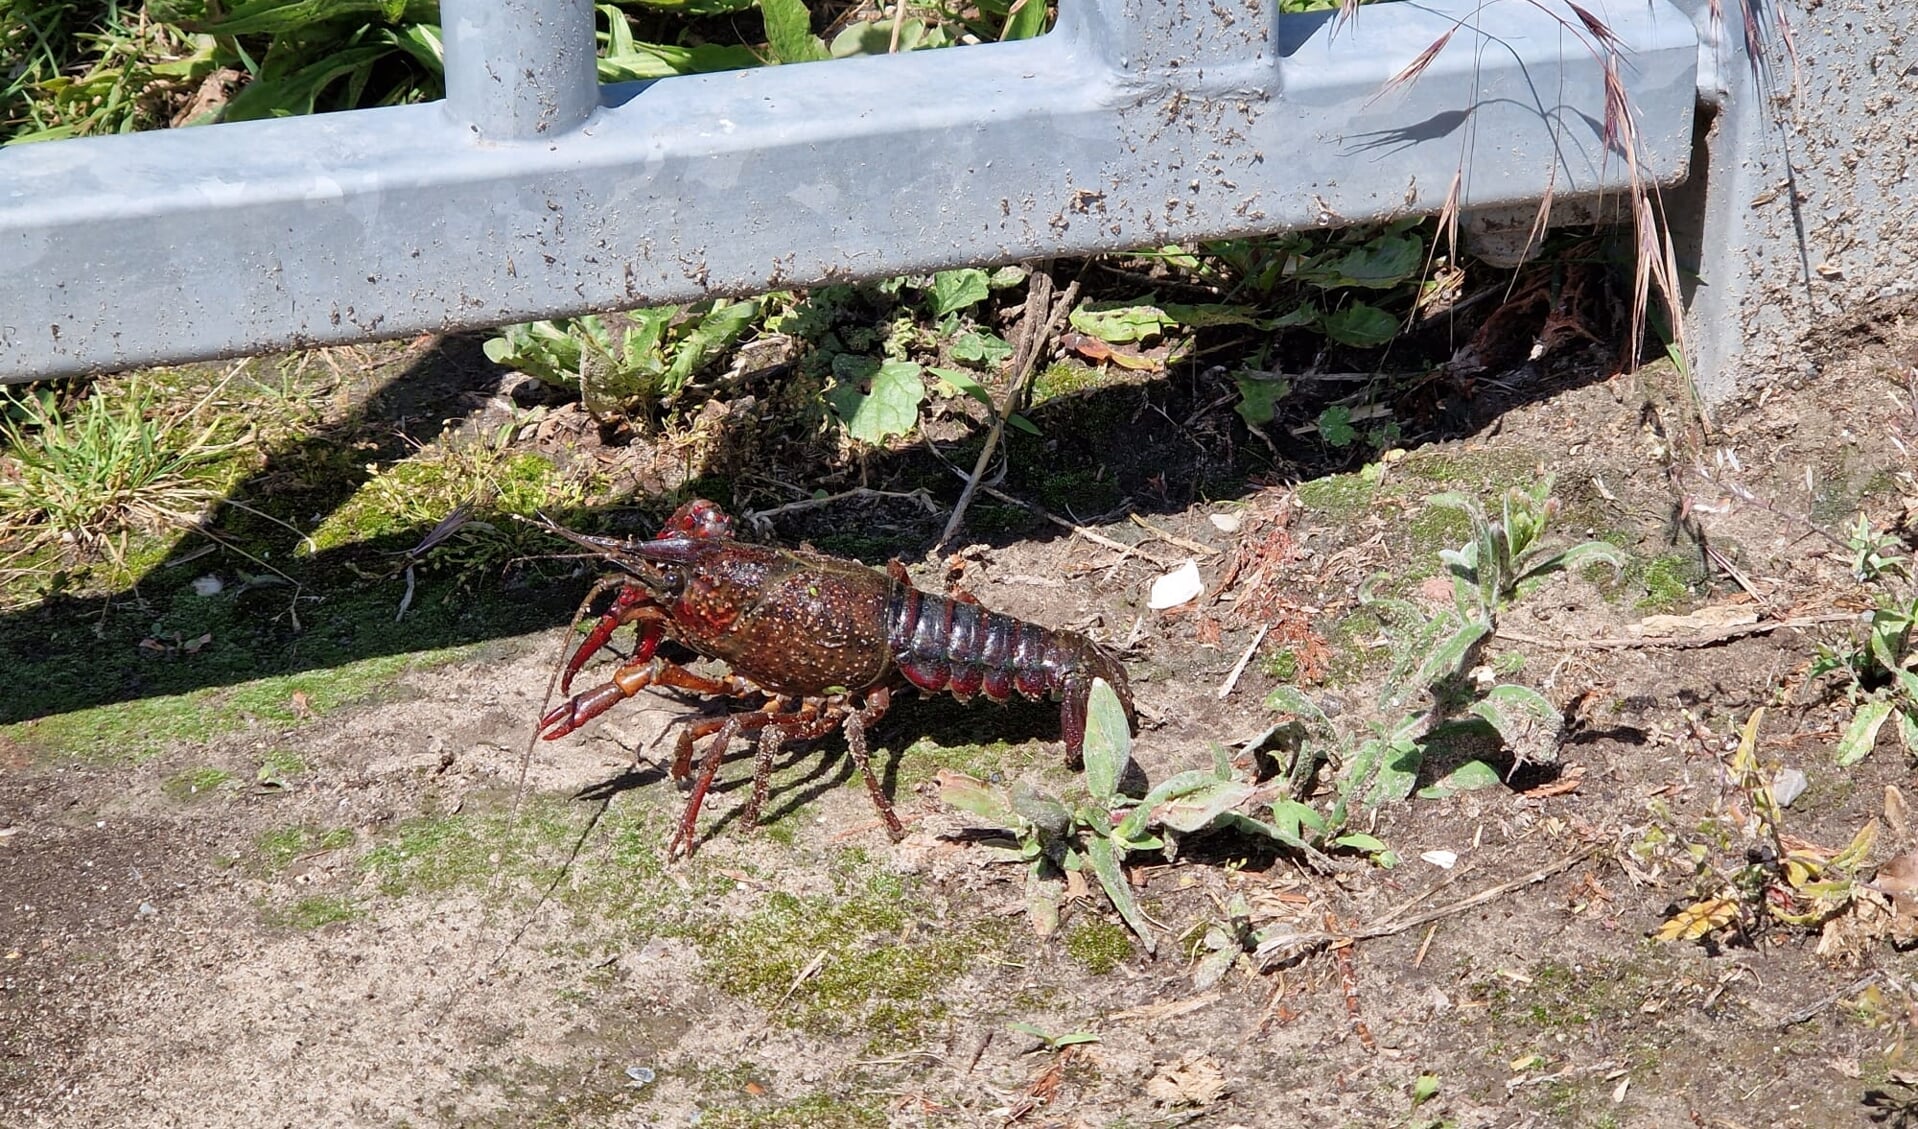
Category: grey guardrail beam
[529,194]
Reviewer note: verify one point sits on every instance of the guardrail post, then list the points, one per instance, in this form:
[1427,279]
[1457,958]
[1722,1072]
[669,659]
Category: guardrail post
[519,70]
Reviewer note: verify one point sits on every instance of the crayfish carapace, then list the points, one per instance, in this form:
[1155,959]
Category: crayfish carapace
[822,640]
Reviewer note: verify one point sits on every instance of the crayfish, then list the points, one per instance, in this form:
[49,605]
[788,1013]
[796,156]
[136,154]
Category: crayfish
[819,641]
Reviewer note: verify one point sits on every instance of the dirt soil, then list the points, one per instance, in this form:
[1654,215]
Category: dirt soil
[387,929]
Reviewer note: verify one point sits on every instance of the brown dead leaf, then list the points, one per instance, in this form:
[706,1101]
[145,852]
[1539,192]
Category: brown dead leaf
[1897,814]
[1566,783]
[1195,1080]
[1898,879]
[1093,349]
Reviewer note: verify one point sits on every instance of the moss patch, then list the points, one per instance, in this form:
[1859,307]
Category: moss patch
[195,783]
[1099,946]
[880,956]
[131,732]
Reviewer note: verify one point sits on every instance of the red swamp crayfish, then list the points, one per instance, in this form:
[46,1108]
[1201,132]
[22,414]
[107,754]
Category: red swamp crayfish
[822,640]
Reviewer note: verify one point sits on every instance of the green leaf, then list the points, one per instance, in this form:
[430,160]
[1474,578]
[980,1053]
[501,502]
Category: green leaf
[1335,426]
[1259,396]
[980,347]
[1379,265]
[1360,841]
[1577,557]
[891,408]
[1290,699]
[1526,721]
[1117,323]
[1908,731]
[789,32]
[1026,20]
[1360,325]
[1108,742]
[1133,826]
[1284,833]
[1105,864]
[954,290]
[1450,657]
[976,796]
[1468,777]
[1197,809]
[1207,314]
[1293,819]
[1862,734]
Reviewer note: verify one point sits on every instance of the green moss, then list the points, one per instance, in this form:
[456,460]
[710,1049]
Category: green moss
[131,732]
[195,783]
[280,767]
[879,959]
[1099,946]
[991,760]
[1282,665]
[1079,491]
[1668,581]
[277,847]
[1487,473]
[815,1111]
[314,912]
[1339,497]
[1063,378]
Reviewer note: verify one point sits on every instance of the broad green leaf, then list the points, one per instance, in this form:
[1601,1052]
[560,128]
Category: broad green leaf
[1468,777]
[1117,323]
[976,796]
[270,17]
[1279,832]
[1450,657]
[1908,731]
[954,290]
[1105,864]
[891,408]
[1526,721]
[1133,826]
[1196,810]
[1360,325]
[1027,18]
[1108,743]
[981,347]
[1398,772]
[1006,276]
[1293,820]
[1259,396]
[789,32]
[1291,700]
[632,61]
[1379,265]
[1577,557]
[1360,841]
[714,334]
[1206,314]
[1049,816]
[1335,426]
[1862,734]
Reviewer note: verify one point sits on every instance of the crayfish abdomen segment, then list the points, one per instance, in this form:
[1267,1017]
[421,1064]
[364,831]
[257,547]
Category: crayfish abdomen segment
[960,647]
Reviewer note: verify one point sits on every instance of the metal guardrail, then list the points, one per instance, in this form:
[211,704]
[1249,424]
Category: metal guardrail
[532,192]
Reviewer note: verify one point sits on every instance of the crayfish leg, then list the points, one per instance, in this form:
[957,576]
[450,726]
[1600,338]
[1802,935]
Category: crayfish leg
[856,722]
[685,838]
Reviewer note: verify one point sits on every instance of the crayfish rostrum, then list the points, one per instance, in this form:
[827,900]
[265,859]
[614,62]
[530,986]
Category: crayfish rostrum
[820,641]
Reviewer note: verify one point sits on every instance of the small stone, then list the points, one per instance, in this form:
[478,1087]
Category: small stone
[1788,785]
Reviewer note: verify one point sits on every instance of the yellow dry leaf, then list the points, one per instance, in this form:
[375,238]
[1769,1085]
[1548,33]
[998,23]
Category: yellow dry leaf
[1698,919]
